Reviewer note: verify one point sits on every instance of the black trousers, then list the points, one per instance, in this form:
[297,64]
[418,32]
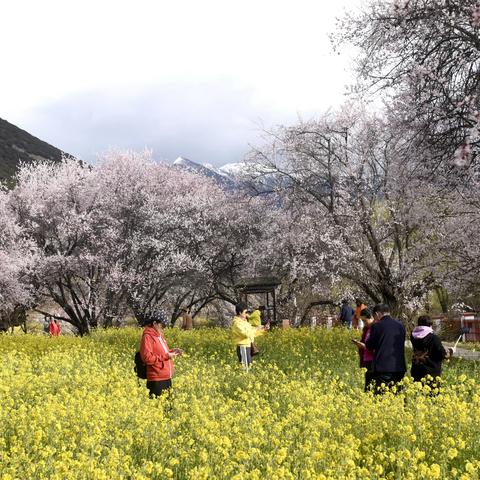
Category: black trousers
[384,380]
[157,387]
[368,374]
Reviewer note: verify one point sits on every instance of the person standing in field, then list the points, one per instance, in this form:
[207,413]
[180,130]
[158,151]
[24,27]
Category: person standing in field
[428,353]
[46,324]
[357,320]
[54,328]
[156,354]
[187,321]
[346,314]
[387,341]
[255,318]
[366,355]
[244,334]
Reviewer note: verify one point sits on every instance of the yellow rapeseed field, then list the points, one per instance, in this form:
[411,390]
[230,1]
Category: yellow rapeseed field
[72,408]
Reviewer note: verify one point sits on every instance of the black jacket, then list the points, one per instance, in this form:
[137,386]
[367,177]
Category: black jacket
[428,354]
[346,314]
[387,340]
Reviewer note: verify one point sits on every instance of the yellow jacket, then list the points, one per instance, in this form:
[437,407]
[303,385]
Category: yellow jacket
[255,318]
[243,333]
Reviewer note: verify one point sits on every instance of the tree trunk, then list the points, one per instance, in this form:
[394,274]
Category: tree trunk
[309,307]
[443,298]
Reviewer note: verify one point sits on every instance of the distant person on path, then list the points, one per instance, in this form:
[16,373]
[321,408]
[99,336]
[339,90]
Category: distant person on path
[244,334]
[187,321]
[346,314]
[366,355]
[357,320]
[387,341]
[54,328]
[428,352]
[156,355]
[46,324]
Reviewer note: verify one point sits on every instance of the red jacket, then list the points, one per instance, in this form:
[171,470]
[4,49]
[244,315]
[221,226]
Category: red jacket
[155,354]
[54,329]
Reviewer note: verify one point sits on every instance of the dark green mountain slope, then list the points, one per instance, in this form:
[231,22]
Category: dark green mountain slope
[17,145]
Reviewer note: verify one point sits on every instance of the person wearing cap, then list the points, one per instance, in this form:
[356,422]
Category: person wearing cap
[244,334]
[156,354]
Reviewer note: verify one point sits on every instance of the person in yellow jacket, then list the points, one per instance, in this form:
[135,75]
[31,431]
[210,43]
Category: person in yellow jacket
[244,334]
[255,318]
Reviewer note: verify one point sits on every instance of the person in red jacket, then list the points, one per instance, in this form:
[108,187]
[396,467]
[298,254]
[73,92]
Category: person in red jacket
[54,328]
[156,355]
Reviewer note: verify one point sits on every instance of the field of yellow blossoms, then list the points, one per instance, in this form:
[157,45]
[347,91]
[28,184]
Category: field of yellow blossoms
[72,408]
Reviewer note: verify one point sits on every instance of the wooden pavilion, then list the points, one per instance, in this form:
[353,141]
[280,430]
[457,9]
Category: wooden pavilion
[265,286]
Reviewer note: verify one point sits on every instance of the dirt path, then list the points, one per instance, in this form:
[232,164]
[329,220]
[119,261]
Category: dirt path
[463,353]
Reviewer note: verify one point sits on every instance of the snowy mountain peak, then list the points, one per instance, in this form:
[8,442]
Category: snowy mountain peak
[233,168]
[230,176]
[185,162]
[207,170]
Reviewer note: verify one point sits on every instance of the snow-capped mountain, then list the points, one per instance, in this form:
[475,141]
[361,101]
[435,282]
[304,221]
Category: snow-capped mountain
[231,175]
[233,169]
[222,177]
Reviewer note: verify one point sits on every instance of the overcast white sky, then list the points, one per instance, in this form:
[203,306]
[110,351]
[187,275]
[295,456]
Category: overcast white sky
[190,78]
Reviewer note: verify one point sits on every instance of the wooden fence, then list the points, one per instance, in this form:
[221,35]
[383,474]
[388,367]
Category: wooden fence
[448,327]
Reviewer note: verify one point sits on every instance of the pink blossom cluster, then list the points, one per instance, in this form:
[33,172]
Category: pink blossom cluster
[476,15]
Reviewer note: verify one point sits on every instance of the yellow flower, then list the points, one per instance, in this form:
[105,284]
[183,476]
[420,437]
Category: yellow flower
[452,453]
[470,468]
[435,471]
[285,419]
[419,454]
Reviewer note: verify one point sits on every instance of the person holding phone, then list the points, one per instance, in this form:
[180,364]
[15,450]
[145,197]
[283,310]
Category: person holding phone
[244,334]
[366,355]
[156,354]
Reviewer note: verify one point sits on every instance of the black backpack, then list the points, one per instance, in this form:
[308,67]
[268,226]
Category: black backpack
[140,368]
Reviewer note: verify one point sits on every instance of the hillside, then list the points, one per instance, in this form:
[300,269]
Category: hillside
[17,145]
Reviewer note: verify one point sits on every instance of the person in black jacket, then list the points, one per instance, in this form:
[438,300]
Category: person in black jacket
[387,341]
[346,314]
[428,352]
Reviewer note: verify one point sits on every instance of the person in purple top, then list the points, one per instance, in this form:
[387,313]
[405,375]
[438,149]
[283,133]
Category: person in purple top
[387,341]
[366,356]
